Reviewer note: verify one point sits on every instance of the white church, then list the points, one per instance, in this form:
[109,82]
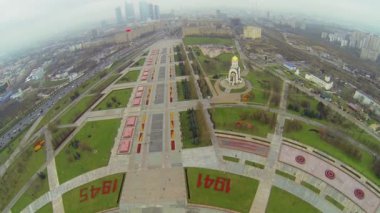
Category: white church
[234,77]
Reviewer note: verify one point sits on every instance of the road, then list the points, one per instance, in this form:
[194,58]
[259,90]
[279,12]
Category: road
[41,109]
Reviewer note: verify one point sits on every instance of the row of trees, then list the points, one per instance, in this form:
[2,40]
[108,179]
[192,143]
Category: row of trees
[204,87]
[181,68]
[333,139]
[205,90]
[202,123]
[59,134]
[194,128]
[376,167]
[196,67]
[263,117]
[179,55]
[74,95]
[275,85]
[186,89]
[321,111]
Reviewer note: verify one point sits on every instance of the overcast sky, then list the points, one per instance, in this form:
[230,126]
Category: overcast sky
[25,21]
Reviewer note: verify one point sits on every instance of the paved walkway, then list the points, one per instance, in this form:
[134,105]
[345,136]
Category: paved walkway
[306,195]
[150,174]
[259,203]
[226,96]
[52,172]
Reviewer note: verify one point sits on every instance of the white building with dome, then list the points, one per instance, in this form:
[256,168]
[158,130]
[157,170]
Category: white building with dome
[234,77]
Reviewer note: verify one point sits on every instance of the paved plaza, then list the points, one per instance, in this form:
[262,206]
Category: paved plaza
[155,178]
[154,187]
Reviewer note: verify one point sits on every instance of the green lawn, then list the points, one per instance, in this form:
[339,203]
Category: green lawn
[254,164]
[227,118]
[361,136]
[19,172]
[76,110]
[100,87]
[12,145]
[131,76]
[193,40]
[333,119]
[311,187]
[59,135]
[38,188]
[238,90]
[93,144]
[296,97]
[284,202]
[313,139]
[334,202]
[180,93]
[48,208]
[139,63]
[285,175]
[239,198]
[231,159]
[116,99]
[187,134]
[96,195]
[219,65]
[262,85]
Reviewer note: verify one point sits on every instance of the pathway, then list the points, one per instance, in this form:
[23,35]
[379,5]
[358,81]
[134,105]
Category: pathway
[52,172]
[156,176]
[259,203]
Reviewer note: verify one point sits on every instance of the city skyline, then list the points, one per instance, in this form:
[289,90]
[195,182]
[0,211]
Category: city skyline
[21,26]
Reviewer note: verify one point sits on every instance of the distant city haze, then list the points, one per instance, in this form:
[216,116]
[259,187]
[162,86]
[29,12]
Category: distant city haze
[24,22]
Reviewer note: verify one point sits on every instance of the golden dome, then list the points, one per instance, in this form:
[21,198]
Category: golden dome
[235,59]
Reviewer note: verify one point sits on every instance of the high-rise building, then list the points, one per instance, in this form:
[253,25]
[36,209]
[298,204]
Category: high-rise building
[129,12]
[144,10]
[370,48]
[119,17]
[156,12]
[151,11]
